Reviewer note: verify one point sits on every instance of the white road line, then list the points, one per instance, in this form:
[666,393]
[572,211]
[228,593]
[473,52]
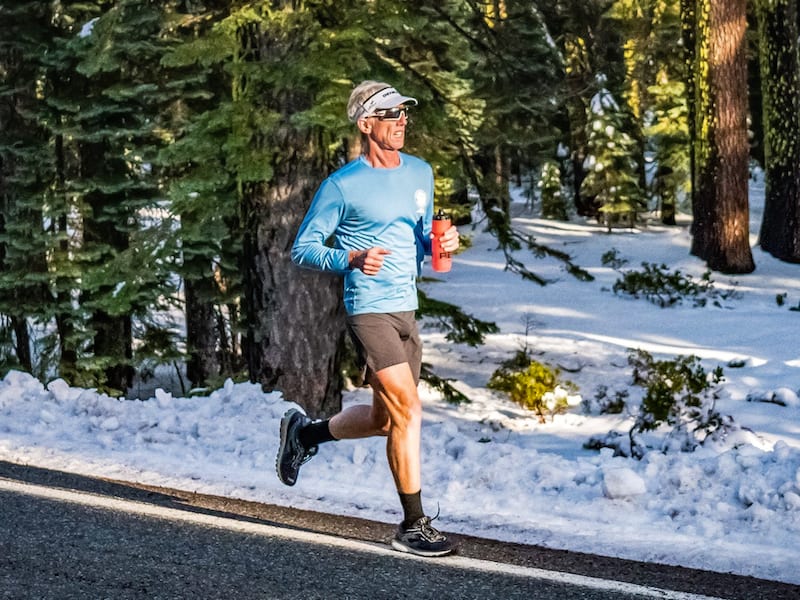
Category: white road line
[462,562]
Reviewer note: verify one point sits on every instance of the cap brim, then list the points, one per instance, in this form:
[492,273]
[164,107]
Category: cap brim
[386,98]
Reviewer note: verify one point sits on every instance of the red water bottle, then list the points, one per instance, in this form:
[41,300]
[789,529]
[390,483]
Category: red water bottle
[440,260]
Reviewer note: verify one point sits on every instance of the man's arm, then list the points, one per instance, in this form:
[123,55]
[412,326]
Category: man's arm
[320,223]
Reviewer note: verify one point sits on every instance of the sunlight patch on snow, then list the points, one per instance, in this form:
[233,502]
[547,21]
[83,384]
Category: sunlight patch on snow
[554,228]
[495,266]
[555,311]
[661,348]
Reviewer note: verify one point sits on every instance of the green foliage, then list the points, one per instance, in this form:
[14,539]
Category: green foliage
[612,178]
[675,390]
[607,403]
[668,134]
[27,169]
[158,346]
[677,409]
[132,130]
[679,400]
[655,92]
[533,385]
[450,393]
[678,393]
[612,259]
[667,288]
[551,192]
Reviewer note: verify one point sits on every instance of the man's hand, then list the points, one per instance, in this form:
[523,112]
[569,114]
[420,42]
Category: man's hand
[368,261]
[449,239]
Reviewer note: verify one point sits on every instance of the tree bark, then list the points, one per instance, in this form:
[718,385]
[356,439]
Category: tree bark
[201,332]
[295,318]
[780,85]
[721,210]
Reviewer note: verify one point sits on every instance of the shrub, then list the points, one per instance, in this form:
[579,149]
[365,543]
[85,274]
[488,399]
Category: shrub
[612,259]
[536,386]
[605,403]
[665,288]
[678,394]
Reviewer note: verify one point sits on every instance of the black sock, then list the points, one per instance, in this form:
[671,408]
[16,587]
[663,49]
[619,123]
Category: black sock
[316,433]
[412,508]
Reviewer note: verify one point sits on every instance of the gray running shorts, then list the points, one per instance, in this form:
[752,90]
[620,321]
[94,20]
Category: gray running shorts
[386,339]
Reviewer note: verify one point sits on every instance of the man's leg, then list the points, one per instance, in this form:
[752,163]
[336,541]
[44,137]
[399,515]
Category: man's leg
[360,421]
[395,389]
[395,395]
[396,412]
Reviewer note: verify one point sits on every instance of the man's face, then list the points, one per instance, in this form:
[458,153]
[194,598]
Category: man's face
[387,128]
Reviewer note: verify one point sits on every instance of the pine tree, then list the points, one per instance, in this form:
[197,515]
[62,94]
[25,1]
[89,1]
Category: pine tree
[26,171]
[117,264]
[504,69]
[655,94]
[551,192]
[203,192]
[588,49]
[612,172]
[780,81]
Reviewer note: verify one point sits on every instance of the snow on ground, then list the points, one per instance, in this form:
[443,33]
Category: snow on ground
[490,466]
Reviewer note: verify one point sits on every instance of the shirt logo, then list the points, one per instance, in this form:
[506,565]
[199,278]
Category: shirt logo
[421,199]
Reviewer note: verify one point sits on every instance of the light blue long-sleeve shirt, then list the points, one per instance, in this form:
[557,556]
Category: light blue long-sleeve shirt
[359,207]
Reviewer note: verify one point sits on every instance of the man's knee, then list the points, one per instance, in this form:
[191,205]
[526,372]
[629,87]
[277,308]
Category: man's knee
[407,413]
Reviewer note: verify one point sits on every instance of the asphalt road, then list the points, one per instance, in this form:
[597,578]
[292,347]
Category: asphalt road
[69,537]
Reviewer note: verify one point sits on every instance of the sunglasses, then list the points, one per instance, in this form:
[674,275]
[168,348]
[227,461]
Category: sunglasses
[390,114]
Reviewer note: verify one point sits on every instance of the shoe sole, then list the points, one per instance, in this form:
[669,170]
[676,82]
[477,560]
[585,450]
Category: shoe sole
[427,553]
[284,431]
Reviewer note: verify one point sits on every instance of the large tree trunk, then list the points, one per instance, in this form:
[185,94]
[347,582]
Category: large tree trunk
[295,319]
[201,331]
[721,211]
[780,85]
[113,341]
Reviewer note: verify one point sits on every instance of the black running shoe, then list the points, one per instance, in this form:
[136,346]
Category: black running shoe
[291,453]
[422,539]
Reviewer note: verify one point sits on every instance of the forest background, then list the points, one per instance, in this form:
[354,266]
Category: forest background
[156,159]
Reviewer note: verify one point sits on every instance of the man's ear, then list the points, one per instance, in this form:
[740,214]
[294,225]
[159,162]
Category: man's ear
[364,126]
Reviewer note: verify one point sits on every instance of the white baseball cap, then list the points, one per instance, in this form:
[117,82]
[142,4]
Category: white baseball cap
[369,96]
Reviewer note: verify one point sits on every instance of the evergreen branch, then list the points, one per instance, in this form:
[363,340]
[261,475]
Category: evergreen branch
[475,40]
[450,393]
